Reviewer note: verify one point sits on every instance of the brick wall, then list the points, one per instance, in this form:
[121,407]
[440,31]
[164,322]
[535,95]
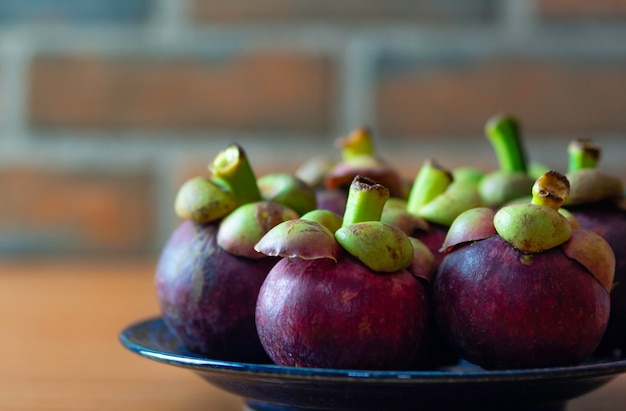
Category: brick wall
[107,106]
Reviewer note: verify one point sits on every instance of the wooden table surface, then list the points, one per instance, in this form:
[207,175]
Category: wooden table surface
[59,347]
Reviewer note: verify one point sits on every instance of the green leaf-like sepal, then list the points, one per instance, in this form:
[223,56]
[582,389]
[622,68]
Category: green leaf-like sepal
[289,190]
[326,218]
[532,228]
[472,225]
[594,253]
[243,228]
[201,200]
[381,247]
[305,239]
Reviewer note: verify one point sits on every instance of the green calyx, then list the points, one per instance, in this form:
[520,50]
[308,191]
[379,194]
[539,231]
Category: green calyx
[437,198]
[232,183]
[231,169]
[445,208]
[380,246]
[588,184]
[592,185]
[396,214]
[500,187]
[358,158]
[511,180]
[309,237]
[323,234]
[538,226]
[244,227]
[201,200]
[431,181]
[503,132]
[326,218]
[358,143]
[471,225]
[305,239]
[582,154]
[289,190]
[365,202]
[467,176]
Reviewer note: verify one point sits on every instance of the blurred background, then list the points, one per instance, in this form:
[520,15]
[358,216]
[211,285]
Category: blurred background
[107,106]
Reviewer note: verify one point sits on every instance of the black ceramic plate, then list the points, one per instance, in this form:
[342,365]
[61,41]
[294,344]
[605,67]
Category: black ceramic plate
[465,387]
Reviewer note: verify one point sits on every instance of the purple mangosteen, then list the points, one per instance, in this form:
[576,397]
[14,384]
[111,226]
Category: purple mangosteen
[434,201]
[349,293]
[597,201]
[358,157]
[209,275]
[519,288]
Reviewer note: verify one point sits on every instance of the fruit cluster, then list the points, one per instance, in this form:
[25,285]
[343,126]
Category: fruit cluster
[345,265]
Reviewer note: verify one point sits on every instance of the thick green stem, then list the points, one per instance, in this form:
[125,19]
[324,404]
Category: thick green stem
[366,200]
[358,142]
[231,169]
[504,136]
[551,190]
[583,154]
[431,181]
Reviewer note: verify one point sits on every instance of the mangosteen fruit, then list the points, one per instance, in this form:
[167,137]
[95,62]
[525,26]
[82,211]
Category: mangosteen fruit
[350,295]
[519,288]
[597,201]
[434,201]
[358,157]
[208,274]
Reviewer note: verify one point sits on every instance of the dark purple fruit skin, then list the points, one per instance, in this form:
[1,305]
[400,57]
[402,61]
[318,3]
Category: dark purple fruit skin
[208,296]
[500,313]
[332,199]
[609,221]
[433,239]
[435,352]
[319,313]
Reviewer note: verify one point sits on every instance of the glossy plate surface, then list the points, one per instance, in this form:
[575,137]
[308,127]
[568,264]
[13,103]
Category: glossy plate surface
[464,387]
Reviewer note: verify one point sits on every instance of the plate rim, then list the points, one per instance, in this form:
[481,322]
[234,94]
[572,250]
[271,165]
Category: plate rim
[203,364]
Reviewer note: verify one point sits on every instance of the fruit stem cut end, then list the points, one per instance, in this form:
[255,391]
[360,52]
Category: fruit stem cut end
[231,169]
[358,142]
[366,200]
[583,153]
[551,189]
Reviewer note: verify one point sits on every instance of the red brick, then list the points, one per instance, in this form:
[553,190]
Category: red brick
[77,210]
[347,11]
[562,97]
[264,91]
[581,9]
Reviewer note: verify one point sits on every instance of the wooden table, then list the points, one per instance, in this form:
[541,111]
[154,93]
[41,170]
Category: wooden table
[59,347]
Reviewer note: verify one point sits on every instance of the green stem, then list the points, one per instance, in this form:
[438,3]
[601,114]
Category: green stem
[504,136]
[366,200]
[231,169]
[583,154]
[431,181]
[551,190]
[358,142]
